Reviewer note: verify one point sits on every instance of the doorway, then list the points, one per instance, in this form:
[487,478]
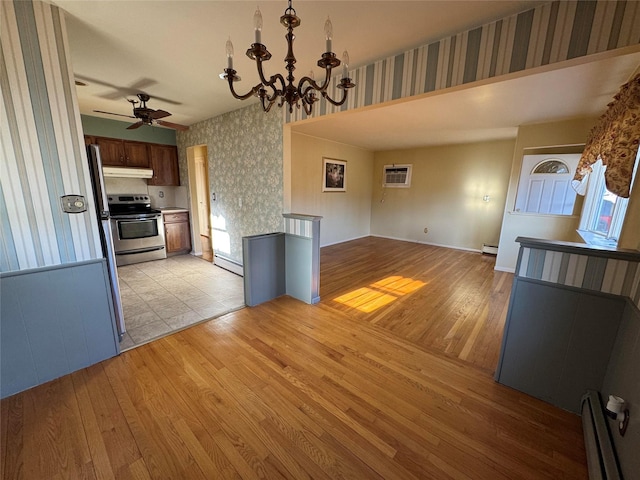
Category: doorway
[198,164]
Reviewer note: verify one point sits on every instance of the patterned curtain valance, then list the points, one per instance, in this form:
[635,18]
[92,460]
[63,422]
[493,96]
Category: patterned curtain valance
[614,140]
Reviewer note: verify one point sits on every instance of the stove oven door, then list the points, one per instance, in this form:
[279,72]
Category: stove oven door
[138,237]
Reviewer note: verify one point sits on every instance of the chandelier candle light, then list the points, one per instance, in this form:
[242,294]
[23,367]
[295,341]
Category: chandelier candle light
[307,89]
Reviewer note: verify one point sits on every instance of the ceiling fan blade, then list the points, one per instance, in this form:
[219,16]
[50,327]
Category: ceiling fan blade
[175,126]
[111,113]
[159,114]
[123,91]
[135,125]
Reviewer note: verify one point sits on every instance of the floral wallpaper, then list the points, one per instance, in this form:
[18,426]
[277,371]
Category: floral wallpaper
[245,171]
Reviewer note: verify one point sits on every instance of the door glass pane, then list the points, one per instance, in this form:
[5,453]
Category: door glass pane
[551,166]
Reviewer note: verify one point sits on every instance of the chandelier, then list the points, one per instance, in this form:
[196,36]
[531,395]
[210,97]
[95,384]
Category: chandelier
[276,88]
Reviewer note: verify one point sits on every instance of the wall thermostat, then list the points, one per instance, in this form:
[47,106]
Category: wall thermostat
[73,204]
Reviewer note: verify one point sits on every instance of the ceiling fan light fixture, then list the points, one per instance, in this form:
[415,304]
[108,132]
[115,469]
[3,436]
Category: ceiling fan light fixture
[147,116]
[276,88]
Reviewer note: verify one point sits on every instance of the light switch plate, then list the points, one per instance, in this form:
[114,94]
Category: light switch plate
[73,204]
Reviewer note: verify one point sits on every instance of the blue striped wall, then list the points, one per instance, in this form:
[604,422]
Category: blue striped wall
[551,33]
[601,274]
[298,226]
[43,156]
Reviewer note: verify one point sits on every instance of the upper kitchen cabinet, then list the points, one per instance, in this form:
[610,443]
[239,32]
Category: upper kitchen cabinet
[163,159]
[164,162]
[136,154]
[123,153]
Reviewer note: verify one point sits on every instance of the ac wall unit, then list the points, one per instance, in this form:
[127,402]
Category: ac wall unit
[398,176]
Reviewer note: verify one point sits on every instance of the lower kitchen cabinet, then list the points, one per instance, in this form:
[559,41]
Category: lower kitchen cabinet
[177,232]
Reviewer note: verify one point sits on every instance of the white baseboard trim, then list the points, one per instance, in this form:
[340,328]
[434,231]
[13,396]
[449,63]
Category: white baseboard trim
[475,250]
[505,269]
[227,264]
[345,240]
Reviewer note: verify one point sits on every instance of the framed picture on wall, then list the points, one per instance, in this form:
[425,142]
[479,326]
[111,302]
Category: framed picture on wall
[334,175]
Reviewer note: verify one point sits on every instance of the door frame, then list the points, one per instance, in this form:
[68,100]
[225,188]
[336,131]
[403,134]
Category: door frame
[193,198]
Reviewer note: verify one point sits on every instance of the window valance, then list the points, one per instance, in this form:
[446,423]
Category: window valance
[614,140]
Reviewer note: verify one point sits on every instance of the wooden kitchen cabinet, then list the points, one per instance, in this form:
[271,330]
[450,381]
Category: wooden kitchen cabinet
[177,233]
[136,154]
[123,153]
[111,151]
[163,159]
[164,162]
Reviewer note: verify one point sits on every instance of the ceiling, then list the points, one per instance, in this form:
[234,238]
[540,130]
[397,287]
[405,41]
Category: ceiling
[174,50]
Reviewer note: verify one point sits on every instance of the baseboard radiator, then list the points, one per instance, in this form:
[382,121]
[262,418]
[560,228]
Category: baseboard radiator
[228,264]
[601,455]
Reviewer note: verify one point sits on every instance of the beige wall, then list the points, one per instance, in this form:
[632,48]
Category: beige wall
[346,215]
[448,183]
[553,227]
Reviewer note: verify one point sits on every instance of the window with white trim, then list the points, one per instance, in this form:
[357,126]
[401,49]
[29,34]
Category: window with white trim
[602,212]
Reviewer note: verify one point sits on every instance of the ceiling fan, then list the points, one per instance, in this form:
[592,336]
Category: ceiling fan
[145,115]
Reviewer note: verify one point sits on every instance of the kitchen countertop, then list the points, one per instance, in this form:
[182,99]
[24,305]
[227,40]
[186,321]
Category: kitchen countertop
[173,209]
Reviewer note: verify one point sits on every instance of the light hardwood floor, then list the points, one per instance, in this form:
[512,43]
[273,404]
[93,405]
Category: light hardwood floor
[442,299]
[289,390]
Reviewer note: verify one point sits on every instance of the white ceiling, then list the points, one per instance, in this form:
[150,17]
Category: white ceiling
[174,50]
[491,111]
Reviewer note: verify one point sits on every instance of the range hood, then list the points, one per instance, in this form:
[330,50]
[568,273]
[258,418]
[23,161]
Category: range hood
[124,172]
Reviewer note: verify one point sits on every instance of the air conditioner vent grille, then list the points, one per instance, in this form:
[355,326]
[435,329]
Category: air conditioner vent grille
[397,176]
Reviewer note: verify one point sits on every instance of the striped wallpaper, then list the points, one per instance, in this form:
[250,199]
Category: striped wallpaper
[607,275]
[43,155]
[302,225]
[547,34]
[299,227]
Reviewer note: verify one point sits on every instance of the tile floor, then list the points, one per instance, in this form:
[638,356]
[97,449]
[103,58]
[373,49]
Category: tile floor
[163,296]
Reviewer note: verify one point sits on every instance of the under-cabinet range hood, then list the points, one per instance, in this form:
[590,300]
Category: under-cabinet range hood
[123,172]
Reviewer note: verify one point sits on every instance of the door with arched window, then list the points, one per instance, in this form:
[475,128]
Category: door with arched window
[545,184]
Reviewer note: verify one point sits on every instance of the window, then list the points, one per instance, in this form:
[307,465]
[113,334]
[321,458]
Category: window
[398,176]
[545,184]
[551,166]
[603,212]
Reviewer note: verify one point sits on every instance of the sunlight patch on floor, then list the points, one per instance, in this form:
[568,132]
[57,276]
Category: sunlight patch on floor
[380,293]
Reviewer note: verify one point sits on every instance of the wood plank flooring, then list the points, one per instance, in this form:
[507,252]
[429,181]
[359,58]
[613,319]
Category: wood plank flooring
[447,300]
[289,390]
